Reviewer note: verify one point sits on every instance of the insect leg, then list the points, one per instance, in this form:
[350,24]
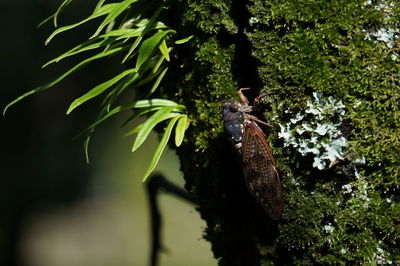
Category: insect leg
[243,98]
[257,101]
[255,119]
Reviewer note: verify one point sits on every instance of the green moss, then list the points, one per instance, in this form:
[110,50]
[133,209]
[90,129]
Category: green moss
[210,84]
[307,47]
[210,16]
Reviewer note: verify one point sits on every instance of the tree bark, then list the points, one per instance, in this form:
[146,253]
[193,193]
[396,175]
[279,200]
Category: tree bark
[290,50]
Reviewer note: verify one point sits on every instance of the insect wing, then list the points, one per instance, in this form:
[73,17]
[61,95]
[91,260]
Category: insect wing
[260,171]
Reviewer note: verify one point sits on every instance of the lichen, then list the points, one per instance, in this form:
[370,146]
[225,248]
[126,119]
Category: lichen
[316,131]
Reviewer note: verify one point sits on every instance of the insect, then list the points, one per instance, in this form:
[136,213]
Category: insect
[260,171]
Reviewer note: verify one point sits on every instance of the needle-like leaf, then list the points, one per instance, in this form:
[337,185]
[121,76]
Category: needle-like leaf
[72,70]
[137,104]
[180,129]
[164,50]
[99,89]
[97,13]
[145,30]
[150,123]
[60,8]
[115,12]
[158,81]
[148,46]
[184,40]
[160,147]
[138,113]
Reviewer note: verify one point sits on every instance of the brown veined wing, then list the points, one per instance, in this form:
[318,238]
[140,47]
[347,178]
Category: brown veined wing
[260,172]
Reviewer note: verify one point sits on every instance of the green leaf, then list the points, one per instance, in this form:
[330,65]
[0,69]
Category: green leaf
[140,112]
[86,46]
[75,68]
[86,145]
[129,32]
[184,40]
[99,4]
[60,8]
[137,104]
[150,123]
[113,95]
[156,102]
[158,80]
[23,96]
[154,72]
[99,89]
[160,148]
[111,26]
[180,130]
[45,21]
[133,47]
[164,50]
[97,13]
[133,131]
[148,46]
[140,127]
[116,11]
[123,33]
[89,135]
[145,30]
[158,64]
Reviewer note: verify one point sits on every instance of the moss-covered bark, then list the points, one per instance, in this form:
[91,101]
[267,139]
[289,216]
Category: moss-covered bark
[347,214]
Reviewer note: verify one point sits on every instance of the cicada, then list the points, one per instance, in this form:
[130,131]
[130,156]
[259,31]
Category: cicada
[260,171]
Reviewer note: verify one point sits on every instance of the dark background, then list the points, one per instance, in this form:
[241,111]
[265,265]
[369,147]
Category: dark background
[40,164]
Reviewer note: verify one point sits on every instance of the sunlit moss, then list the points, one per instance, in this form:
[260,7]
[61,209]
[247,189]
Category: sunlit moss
[297,49]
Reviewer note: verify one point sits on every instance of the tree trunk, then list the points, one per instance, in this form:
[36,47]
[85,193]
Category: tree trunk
[346,214]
